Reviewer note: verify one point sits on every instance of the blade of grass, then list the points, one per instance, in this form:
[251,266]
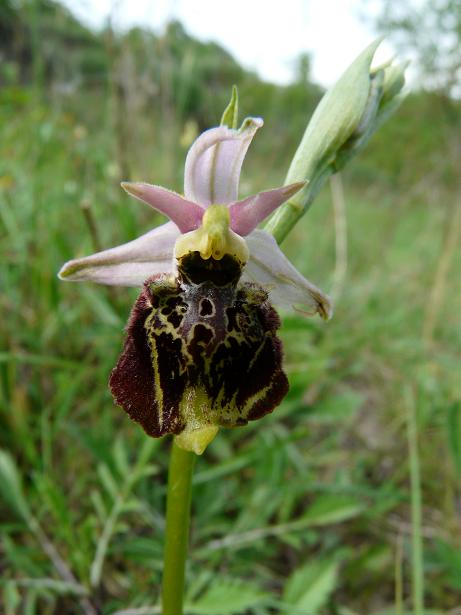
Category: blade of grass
[58,587]
[340,223]
[398,575]
[416,504]
[12,492]
[120,498]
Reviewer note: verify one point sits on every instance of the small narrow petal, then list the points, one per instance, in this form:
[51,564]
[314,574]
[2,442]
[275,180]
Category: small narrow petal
[214,162]
[186,215]
[270,268]
[130,263]
[247,214]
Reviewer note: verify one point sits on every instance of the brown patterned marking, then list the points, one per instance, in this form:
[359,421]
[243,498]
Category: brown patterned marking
[210,336]
[202,335]
[231,315]
[206,307]
[131,381]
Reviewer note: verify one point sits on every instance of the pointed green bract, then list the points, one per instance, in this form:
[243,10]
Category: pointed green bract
[346,117]
[231,112]
[366,126]
[394,80]
[335,119]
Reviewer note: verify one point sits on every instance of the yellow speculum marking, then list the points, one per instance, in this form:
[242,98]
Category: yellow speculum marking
[214,239]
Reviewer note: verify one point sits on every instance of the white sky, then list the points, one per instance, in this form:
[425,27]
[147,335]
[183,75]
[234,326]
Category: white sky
[262,35]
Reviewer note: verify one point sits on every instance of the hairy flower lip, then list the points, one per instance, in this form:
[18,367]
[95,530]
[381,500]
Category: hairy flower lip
[212,174]
[187,371]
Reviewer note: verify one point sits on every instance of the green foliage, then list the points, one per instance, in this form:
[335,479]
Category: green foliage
[431,31]
[227,597]
[11,487]
[310,586]
[422,136]
[328,509]
[454,434]
[305,509]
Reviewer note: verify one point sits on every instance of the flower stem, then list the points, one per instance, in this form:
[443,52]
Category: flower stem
[177,529]
[417,555]
[285,217]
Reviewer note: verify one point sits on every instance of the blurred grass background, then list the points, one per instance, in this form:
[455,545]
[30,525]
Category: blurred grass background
[345,501]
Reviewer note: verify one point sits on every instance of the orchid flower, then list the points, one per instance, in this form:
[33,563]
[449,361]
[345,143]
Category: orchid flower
[201,350]
[212,174]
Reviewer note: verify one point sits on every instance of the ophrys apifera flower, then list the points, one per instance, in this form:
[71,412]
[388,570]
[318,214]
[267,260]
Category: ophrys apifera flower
[202,349]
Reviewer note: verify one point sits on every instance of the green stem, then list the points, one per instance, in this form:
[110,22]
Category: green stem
[177,529]
[180,480]
[416,505]
[286,216]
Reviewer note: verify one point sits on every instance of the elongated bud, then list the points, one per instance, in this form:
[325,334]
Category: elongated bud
[343,122]
[335,119]
[394,80]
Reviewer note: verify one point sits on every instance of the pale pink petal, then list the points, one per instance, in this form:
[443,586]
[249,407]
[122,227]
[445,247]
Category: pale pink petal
[214,161]
[186,215]
[129,264]
[247,214]
[269,267]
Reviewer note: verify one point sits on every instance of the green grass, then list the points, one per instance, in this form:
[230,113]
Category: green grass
[306,511]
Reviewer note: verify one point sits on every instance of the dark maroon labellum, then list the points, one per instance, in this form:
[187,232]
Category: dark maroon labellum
[201,350]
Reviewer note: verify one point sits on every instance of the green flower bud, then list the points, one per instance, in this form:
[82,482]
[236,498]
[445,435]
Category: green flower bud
[346,117]
[394,80]
[386,83]
[337,116]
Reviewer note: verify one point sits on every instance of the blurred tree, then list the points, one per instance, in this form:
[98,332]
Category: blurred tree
[13,41]
[431,29]
[303,69]
[429,33]
[48,43]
